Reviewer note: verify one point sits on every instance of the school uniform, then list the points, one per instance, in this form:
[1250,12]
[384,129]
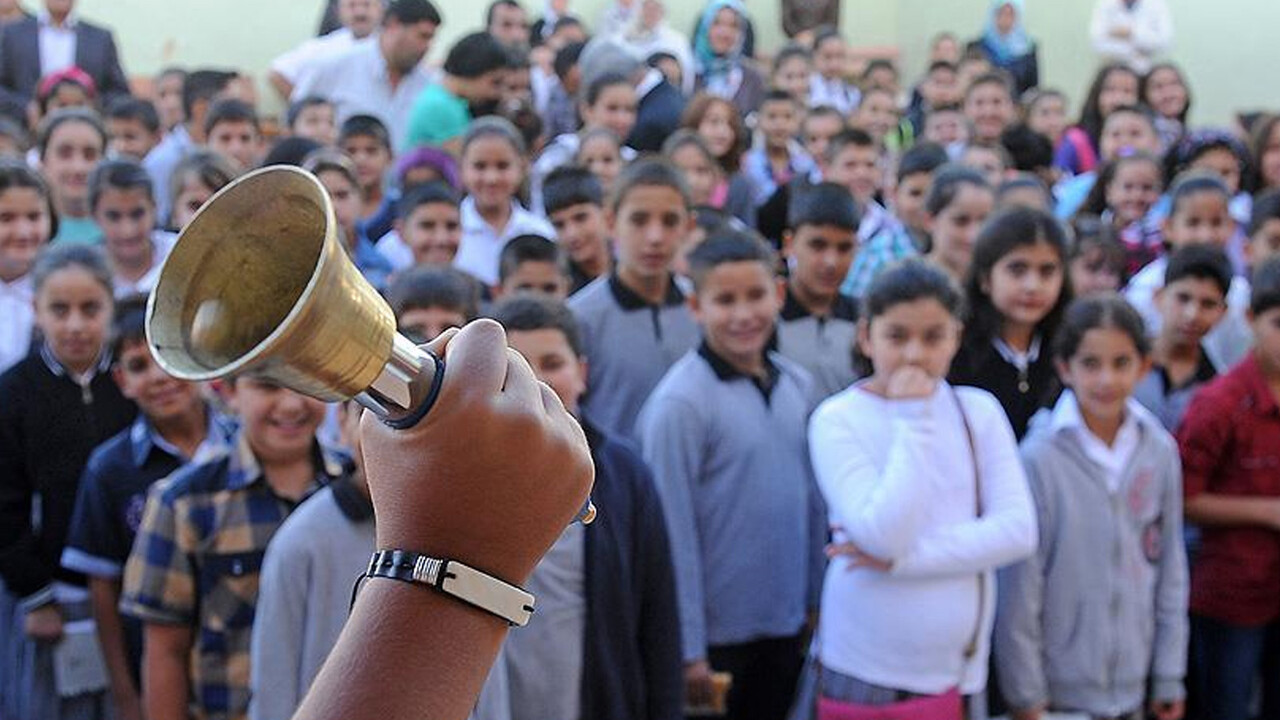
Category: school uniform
[1022,382]
[1168,402]
[1096,620]
[481,247]
[162,243]
[160,164]
[1227,343]
[833,93]
[17,307]
[629,344]
[823,345]
[765,179]
[730,458]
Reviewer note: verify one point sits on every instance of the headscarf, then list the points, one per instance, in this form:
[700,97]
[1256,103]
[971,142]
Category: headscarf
[1015,44]
[710,65]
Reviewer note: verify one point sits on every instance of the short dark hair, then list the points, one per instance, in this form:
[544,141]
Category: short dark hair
[203,85]
[937,65]
[566,58]
[127,107]
[1028,149]
[230,110]
[879,64]
[1266,287]
[527,248]
[947,182]
[923,157]
[1202,262]
[648,172]
[476,54]
[1023,181]
[727,245]
[999,78]
[436,192]
[120,175]
[411,12]
[571,185]
[425,287]
[779,95]
[849,137]
[297,107]
[910,280]
[493,9]
[291,151]
[825,203]
[365,126]
[530,312]
[129,326]
[592,92]
[1266,206]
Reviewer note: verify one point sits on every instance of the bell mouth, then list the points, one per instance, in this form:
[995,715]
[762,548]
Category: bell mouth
[239,272]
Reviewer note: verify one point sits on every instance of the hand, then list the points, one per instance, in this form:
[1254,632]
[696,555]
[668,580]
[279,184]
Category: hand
[910,383]
[1034,713]
[857,558]
[492,475]
[1168,709]
[698,688]
[1121,32]
[44,624]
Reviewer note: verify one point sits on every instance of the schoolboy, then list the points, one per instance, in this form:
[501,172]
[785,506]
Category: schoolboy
[992,160]
[532,264]
[1230,446]
[312,117]
[939,87]
[779,158]
[365,139]
[819,126]
[231,129]
[430,224]
[175,426]
[429,300]
[123,206]
[853,160]
[337,174]
[133,127]
[616,575]
[947,126]
[725,435]
[192,577]
[1192,301]
[818,325]
[989,107]
[200,89]
[1264,229]
[574,203]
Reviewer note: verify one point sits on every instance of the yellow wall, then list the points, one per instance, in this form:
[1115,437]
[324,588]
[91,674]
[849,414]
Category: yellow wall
[1226,46]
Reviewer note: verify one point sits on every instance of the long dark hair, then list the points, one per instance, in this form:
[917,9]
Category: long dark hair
[1091,117]
[1145,84]
[1096,202]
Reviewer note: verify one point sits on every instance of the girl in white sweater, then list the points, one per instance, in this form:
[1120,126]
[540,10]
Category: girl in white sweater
[926,498]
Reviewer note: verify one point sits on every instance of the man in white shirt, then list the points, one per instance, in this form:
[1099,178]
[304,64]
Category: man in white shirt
[360,19]
[1131,31]
[382,77]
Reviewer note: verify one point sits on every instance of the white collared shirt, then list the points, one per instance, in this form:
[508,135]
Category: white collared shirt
[162,242]
[297,64]
[1017,358]
[482,244]
[1113,458]
[834,93]
[19,318]
[57,44]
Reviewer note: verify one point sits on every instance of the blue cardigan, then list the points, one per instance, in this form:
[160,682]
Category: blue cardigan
[632,666]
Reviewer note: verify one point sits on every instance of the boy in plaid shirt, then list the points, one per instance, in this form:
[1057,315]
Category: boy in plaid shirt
[192,577]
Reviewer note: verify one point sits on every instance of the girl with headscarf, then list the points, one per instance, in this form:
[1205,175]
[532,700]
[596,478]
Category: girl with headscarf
[1007,45]
[723,68]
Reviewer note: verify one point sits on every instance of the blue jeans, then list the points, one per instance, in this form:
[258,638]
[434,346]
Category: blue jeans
[1229,660]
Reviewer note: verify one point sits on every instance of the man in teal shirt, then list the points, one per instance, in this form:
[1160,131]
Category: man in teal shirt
[473,76]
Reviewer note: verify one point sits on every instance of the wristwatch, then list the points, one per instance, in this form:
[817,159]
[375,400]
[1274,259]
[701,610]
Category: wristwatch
[455,579]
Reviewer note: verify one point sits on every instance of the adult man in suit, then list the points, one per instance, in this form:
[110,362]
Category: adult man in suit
[54,40]
[659,102]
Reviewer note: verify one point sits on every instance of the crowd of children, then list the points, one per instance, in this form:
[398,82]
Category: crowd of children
[936,401]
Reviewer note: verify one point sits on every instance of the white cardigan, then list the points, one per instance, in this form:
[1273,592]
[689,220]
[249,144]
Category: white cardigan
[897,475]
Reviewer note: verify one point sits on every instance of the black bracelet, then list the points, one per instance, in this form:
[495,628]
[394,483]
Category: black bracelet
[452,578]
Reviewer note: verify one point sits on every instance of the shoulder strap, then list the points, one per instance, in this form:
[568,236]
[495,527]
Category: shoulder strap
[971,648]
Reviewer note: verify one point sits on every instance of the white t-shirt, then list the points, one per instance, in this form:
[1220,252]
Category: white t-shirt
[482,244]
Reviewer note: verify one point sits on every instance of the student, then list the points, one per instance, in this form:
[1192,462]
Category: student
[958,204]
[1264,228]
[601,152]
[168,99]
[878,116]
[194,180]
[1030,152]
[689,153]
[816,130]
[720,125]
[59,403]
[778,157]
[337,174]
[174,426]
[532,264]
[70,142]
[909,235]
[634,322]
[133,126]
[792,71]
[990,159]
[474,72]
[1127,130]
[1228,441]
[853,160]
[561,110]
[940,87]
[1017,291]
[429,300]
[947,126]
[1164,90]
[828,86]
[608,103]
[494,162]
[365,140]
[1046,113]
[1198,213]
[605,590]
[1095,621]
[1096,262]
[429,226]
[231,129]
[1023,190]
[122,204]
[818,325]
[988,106]
[724,434]
[926,497]
[574,202]
[1113,86]
[1192,301]
[1126,190]
[1221,153]
[193,574]
[312,117]
[26,223]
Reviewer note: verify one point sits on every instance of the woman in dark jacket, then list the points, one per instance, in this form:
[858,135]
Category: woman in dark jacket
[1007,45]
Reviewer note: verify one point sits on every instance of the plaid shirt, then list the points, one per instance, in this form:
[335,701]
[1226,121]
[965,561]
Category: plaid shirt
[197,560]
[890,243]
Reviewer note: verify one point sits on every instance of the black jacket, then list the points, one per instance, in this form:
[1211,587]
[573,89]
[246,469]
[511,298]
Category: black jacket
[657,116]
[20,70]
[979,364]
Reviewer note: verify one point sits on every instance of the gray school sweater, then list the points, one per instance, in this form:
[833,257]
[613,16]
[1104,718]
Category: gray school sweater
[628,344]
[1098,616]
[730,457]
[822,345]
